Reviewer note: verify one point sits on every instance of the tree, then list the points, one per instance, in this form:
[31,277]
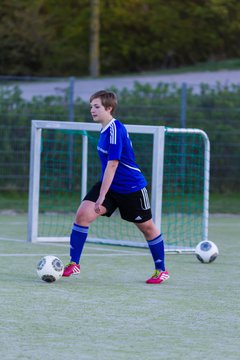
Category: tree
[63,38]
[23,38]
[94,38]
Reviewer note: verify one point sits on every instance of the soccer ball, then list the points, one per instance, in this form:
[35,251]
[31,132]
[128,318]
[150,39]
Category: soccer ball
[50,268]
[206,251]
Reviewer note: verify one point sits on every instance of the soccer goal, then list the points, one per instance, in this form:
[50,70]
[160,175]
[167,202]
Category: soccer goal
[64,165]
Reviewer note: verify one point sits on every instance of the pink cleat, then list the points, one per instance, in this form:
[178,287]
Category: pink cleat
[71,269]
[158,277]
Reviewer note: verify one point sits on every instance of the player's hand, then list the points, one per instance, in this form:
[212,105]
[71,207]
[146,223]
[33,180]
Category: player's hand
[98,204]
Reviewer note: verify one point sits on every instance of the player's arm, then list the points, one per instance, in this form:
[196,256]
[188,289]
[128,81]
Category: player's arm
[106,183]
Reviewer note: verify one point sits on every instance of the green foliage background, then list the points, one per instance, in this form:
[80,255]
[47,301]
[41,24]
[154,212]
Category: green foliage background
[51,38]
[212,109]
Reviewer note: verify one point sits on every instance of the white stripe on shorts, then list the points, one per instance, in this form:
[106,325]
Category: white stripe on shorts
[146,202]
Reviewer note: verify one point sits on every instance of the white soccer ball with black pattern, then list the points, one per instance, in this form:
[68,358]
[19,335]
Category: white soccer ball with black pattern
[50,268]
[206,251]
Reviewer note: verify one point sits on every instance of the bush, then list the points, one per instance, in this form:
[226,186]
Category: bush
[215,110]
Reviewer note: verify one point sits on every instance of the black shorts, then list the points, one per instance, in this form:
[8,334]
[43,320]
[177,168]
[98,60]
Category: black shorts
[133,207]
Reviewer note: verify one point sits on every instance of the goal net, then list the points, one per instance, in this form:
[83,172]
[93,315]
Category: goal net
[64,165]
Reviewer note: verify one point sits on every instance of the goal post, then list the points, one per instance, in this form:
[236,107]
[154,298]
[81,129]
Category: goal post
[174,161]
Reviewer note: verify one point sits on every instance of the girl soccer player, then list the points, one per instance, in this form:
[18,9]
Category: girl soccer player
[122,186]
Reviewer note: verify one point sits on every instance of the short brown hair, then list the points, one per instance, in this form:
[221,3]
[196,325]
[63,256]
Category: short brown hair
[108,99]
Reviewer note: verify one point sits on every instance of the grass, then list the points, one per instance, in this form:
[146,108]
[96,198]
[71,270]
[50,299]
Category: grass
[230,64]
[219,203]
[109,312]
[13,200]
[211,65]
[224,203]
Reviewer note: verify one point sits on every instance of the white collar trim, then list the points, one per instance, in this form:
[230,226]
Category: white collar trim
[107,126]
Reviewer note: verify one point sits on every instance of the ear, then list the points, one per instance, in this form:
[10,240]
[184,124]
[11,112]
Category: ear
[109,109]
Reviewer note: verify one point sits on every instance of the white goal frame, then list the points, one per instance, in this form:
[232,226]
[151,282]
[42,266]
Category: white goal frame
[158,133]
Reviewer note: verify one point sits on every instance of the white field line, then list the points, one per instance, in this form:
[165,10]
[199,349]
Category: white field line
[235,224]
[210,223]
[105,251]
[11,239]
[88,246]
[85,255]
[13,222]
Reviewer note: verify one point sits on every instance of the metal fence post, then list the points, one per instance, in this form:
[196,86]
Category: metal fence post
[71,99]
[70,118]
[183,122]
[183,112]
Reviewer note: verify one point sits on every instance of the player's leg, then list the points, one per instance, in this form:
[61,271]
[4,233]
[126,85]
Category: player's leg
[156,245]
[135,207]
[84,217]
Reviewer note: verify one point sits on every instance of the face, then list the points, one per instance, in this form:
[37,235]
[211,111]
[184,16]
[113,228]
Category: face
[99,113]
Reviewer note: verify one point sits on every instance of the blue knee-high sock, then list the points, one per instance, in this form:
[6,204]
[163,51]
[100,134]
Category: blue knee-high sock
[156,247]
[77,241]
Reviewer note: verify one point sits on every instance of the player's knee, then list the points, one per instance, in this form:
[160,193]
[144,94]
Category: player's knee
[80,216]
[148,232]
[148,229]
[84,216]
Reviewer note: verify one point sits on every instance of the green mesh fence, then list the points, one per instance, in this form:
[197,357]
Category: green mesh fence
[60,184]
[183,185]
[183,188]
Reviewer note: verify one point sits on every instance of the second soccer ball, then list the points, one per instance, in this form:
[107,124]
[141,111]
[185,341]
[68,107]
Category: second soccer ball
[206,251]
